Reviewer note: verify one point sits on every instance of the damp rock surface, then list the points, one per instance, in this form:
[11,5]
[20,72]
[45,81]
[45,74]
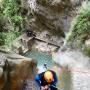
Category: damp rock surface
[76,66]
[54,15]
[30,85]
[14,69]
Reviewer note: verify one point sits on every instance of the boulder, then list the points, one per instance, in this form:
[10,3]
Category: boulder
[15,71]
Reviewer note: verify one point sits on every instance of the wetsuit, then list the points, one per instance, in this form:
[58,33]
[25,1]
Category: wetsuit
[42,82]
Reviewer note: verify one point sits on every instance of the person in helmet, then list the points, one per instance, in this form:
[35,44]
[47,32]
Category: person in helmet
[47,79]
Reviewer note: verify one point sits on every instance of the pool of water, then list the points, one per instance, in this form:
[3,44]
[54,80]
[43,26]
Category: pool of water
[41,58]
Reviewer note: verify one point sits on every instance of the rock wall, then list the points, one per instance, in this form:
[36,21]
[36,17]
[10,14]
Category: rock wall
[14,69]
[75,69]
[54,15]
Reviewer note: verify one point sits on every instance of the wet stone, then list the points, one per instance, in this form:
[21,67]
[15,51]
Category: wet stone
[30,85]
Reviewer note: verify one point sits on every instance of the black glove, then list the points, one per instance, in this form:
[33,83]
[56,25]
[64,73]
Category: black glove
[52,87]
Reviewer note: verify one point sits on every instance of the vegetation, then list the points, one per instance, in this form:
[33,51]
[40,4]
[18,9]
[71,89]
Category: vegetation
[86,50]
[80,29]
[81,25]
[14,16]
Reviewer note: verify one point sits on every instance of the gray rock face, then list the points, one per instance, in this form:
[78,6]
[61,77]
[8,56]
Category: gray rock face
[14,69]
[31,85]
[75,66]
[54,15]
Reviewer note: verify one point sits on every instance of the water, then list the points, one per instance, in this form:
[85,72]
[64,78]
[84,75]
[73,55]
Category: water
[41,58]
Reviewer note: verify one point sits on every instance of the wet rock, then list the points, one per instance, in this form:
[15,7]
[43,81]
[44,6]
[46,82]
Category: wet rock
[31,85]
[75,69]
[54,15]
[15,70]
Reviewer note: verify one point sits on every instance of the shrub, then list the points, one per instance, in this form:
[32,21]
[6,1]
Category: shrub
[80,27]
[2,38]
[12,20]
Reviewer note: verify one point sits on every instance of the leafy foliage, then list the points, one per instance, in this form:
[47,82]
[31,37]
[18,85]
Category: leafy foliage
[81,25]
[12,20]
[80,29]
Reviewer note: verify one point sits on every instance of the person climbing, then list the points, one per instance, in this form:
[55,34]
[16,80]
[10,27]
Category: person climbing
[47,80]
